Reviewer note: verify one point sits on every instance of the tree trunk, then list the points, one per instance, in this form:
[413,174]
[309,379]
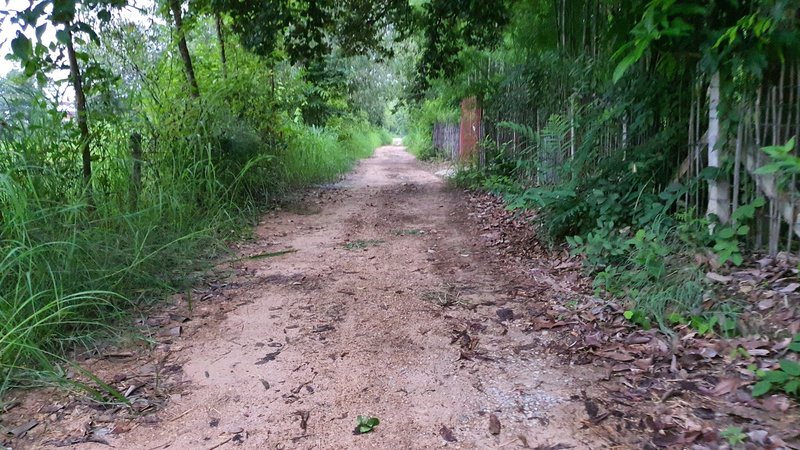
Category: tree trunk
[221,39]
[175,6]
[83,122]
[719,202]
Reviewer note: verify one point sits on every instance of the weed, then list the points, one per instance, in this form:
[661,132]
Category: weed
[366,424]
[572,304]
[739,352]
[786,378]
[272,254]
[448,296]
[362,244]
[639,318]
[412,232]
[722,322]
[727,238]
[734,435]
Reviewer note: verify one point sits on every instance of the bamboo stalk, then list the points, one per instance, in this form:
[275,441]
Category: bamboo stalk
[737,166]
[773,233]
[779,106]
[697,144]
[793,78]
[759,138]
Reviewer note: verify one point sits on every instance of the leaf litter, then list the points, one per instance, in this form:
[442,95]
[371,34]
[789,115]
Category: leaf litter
[680,389]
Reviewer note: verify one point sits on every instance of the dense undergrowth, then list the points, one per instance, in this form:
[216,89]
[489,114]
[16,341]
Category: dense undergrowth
[587,109]
[657,268]
[76,262]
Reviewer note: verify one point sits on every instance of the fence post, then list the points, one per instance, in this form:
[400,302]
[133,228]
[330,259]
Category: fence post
[470,128]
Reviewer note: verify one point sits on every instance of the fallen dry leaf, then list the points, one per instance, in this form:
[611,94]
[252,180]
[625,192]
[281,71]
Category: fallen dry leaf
[713,276]
[447,434]
[726,386]
[616,356]
[494,424]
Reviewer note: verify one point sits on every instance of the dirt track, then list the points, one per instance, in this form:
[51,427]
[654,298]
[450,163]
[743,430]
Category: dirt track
[332,331]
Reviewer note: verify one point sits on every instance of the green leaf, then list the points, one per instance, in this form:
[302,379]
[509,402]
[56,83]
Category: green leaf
[104,15]
[776,376]
[62,36]
[628,314]
[737,259]
[21,47]
[795,347]
[790,367]
[63,11]
[86,28]
[676,318]
[624,65]
[792,387]
[761,388]
[779,150]
[725,233]
[373,422]
[30,67]
[743,230]
[744,212]
[768,169]
[40,31]
[790,145]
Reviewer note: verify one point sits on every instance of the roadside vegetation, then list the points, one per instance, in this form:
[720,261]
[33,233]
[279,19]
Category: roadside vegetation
[135,143]
[634,130]
[653,145]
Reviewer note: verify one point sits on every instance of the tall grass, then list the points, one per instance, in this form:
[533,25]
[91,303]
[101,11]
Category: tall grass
[315,154]
[419,139]
[70,273]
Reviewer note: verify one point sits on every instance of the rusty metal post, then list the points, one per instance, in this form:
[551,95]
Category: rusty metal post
[470,129]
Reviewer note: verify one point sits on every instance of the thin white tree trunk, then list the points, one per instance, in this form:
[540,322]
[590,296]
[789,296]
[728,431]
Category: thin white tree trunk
[719,196]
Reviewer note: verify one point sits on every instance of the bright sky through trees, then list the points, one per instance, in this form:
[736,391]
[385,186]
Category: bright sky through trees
[8,30]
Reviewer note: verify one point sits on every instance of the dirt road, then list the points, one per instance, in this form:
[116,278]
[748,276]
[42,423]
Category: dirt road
[390,306]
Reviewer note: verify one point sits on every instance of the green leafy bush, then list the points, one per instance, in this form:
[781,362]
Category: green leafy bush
[726,238]
[786,378]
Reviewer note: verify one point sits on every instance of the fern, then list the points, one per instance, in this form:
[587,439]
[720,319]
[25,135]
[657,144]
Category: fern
[523,130]
[547,147]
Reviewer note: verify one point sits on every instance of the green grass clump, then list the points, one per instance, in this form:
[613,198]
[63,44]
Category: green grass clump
[410,232]
[361,244]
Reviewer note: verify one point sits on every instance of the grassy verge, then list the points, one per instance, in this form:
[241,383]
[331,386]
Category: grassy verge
[71,273]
